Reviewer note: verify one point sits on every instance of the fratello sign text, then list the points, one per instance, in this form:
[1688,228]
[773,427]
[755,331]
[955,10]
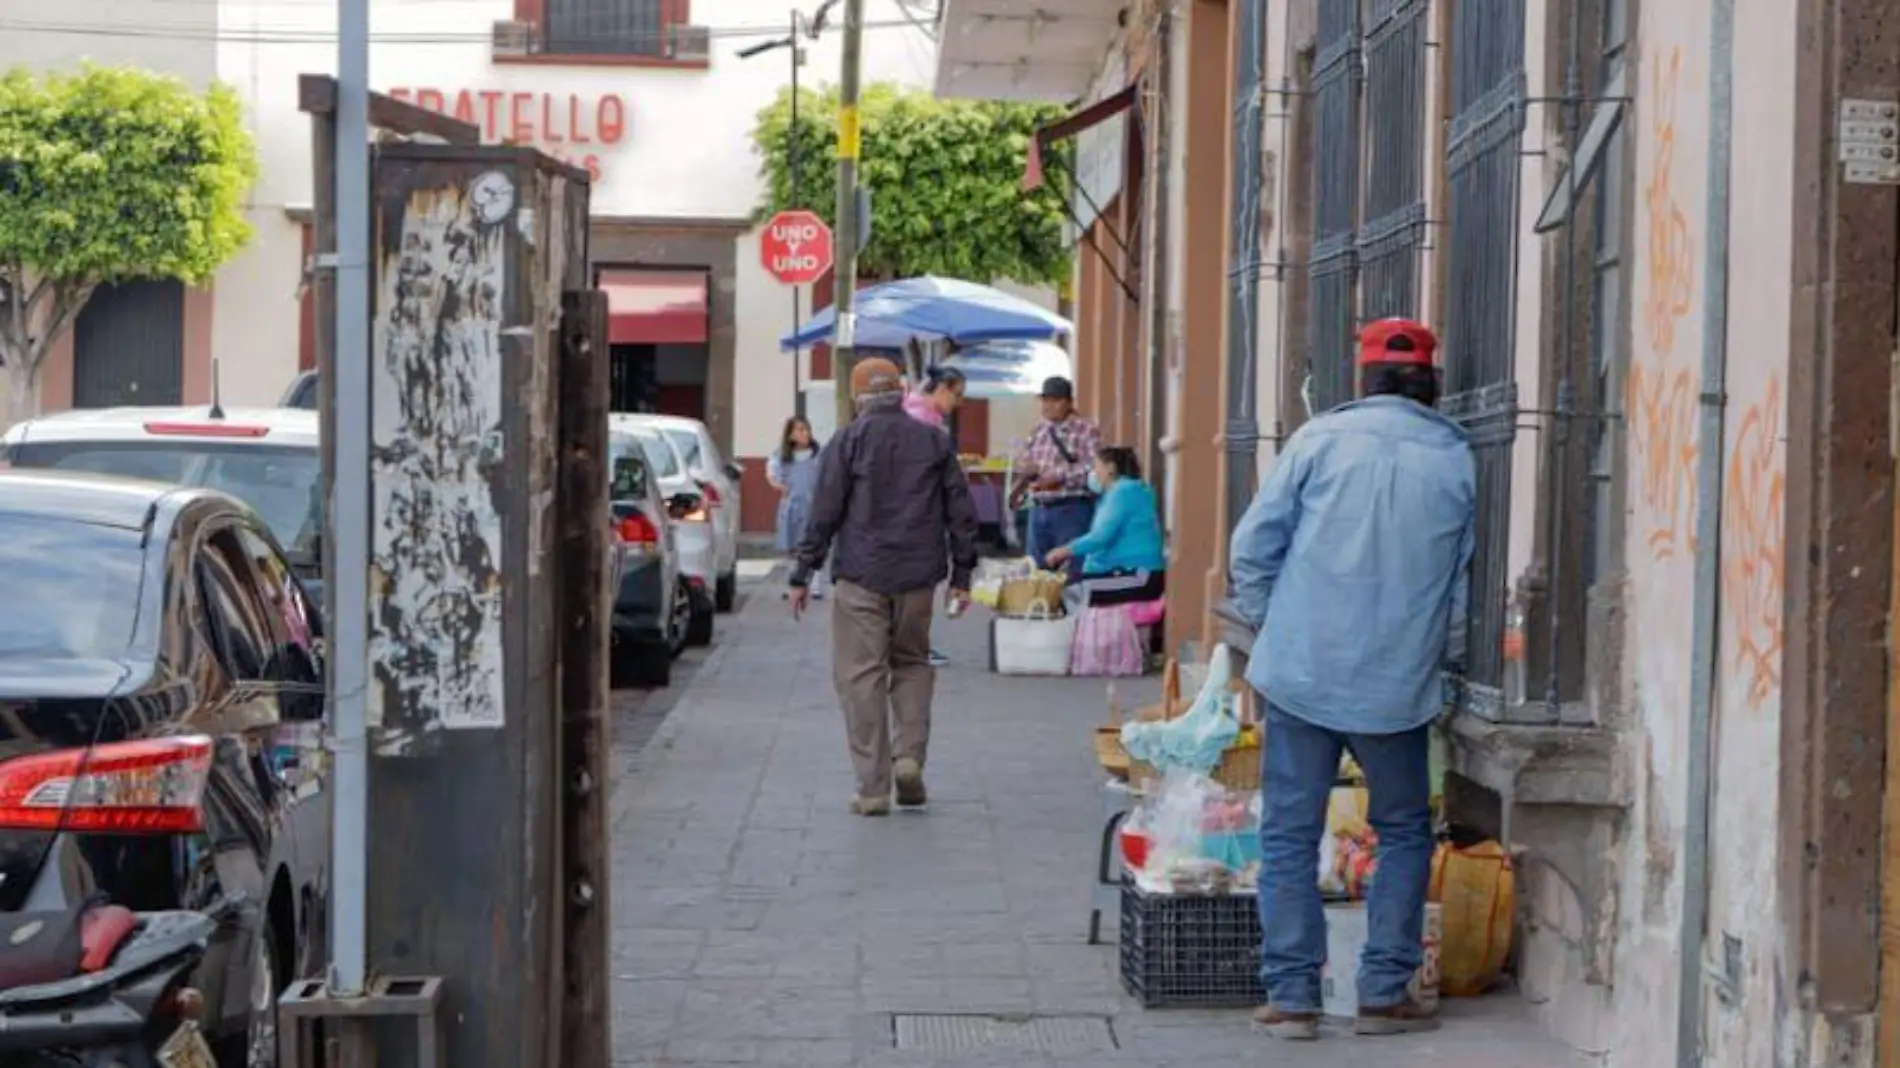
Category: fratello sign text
[577,128]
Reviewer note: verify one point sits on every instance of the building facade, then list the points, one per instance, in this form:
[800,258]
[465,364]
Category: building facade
[650,97]
[1658,241]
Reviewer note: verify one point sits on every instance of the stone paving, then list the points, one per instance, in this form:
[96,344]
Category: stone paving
[756,922]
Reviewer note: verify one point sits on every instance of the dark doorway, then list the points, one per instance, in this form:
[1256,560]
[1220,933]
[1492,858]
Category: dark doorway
[129,346]
[657,328]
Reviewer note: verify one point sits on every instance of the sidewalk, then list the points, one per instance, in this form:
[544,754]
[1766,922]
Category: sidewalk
[758,922]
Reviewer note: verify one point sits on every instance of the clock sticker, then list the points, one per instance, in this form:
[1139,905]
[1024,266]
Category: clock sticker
[493,196]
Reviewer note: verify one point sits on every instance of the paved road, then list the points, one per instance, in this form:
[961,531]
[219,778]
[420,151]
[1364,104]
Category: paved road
[757,922]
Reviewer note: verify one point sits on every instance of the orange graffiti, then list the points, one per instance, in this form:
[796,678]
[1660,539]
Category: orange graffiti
[1671,257]
[1753,566]
[1661,400]
[1662,452]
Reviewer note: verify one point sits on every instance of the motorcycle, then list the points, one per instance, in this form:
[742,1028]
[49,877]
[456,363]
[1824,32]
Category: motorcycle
[88,984]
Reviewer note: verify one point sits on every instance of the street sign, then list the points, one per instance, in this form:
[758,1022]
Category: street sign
[796,247]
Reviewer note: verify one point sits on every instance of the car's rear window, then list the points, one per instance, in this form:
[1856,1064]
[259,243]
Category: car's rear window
[687,443]
[627,467]
[664,461]
[71,588]
[282,482]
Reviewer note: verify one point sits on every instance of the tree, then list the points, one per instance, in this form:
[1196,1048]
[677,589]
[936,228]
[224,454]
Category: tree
[108,175]
[945,178]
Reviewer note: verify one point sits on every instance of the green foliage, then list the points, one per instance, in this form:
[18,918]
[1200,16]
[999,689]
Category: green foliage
[108,175]
[945,178]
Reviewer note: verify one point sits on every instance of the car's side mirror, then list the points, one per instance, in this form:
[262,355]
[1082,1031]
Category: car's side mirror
[734,471]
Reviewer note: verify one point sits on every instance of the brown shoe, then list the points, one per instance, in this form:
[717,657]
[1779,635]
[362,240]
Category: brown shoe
[871,806]
[1288,1026]
[1406,1018]
[909,776]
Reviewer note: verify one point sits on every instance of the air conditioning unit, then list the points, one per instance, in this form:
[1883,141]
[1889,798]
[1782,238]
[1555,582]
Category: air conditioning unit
[513,37]
[689,42]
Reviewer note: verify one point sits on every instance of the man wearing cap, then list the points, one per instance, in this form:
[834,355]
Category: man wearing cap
[892,500]
[1056,461]
[1353,565]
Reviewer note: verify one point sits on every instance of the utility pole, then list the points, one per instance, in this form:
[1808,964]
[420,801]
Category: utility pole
[845,274]
[791,164]
[349,518]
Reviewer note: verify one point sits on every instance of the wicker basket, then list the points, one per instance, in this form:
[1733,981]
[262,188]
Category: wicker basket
[1018,596]
[1239,768]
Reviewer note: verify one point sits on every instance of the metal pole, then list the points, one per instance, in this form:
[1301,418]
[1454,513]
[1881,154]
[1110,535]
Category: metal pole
[845,274]
[791,163]
[349,514]
[1241,436]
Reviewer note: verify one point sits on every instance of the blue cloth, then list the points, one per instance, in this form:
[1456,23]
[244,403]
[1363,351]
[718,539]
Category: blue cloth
[1126,532]
[1353,565]
[1054,523]
[1299,763]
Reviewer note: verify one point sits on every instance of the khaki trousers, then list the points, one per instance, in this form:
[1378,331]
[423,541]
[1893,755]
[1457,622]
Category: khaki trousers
[880,663]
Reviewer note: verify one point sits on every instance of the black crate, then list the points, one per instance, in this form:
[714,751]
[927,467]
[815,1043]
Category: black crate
[1190,951]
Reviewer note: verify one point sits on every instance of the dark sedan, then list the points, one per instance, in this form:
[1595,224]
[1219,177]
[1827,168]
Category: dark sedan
[160,689]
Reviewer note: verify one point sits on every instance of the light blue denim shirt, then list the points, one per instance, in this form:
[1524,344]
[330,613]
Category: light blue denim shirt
[1353,564]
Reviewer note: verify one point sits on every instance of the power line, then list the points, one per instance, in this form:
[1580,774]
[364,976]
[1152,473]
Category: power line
[290,35]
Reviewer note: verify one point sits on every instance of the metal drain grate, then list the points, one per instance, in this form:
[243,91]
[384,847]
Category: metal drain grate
[965,1033]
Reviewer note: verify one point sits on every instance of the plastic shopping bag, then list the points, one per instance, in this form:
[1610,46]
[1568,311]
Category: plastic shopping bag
[1106,644]
[1478,891]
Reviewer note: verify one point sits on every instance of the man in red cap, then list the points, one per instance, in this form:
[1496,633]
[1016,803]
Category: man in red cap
[1353,565]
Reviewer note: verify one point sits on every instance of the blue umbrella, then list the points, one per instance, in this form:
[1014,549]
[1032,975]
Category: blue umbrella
[1010,368]
[931,309]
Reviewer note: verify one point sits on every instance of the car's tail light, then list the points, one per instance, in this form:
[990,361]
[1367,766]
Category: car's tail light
[145,787]
[710,494]
[208,430]
[637,529]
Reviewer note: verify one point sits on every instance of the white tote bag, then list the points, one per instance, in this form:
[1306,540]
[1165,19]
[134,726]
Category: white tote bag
[1035,644]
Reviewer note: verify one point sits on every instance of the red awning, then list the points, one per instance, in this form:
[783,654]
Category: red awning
[655,307]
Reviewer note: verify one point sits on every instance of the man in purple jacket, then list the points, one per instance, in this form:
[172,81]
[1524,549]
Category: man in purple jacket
[893,502]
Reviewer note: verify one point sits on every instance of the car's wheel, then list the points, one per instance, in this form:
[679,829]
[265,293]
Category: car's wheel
[699,629]
[682,622]
[726,590]
[257,1046]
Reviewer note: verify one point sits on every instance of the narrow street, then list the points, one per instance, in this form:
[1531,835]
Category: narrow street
[757,922]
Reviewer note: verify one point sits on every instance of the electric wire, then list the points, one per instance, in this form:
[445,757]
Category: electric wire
[322,35]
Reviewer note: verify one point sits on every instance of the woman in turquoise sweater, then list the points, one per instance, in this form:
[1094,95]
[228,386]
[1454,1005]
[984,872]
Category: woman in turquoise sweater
[1124,557]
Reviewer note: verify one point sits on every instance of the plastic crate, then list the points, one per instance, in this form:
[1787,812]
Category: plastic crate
[1190,951]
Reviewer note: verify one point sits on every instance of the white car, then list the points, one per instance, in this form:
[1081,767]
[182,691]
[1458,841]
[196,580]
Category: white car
[719,482]
[266,457]
[695,540]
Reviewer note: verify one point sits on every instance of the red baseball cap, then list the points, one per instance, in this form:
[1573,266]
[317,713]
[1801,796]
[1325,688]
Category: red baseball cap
[1417,343]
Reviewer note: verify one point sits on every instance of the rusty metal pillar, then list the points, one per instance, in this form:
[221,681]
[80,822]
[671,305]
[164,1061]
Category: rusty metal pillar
[473,250]
[1839,543]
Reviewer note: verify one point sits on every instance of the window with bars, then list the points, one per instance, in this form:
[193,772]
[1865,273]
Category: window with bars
[1368,108]
[1485,70]
[631,28]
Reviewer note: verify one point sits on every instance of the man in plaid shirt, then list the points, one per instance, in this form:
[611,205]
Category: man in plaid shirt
[1056,461]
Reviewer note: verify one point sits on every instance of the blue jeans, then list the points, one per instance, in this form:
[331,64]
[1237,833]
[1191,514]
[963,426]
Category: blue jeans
[1299,763]
[1058,523]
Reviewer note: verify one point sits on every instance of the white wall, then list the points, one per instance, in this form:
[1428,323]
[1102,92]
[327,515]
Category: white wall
[686,149]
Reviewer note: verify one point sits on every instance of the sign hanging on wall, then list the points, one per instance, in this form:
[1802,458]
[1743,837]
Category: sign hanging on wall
[576,128]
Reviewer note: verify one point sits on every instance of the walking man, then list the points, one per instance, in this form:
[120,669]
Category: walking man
[1353,564]
[892,498]
[1057,460]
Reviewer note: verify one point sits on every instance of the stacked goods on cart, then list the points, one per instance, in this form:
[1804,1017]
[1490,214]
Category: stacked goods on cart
[1221,694]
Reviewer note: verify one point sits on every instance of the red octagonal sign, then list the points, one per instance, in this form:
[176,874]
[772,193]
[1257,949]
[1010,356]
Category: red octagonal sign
[796,247]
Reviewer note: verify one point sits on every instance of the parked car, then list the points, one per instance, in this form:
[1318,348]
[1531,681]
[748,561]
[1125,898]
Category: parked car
[266,457]
[718,481]
[161,679]
[653,605]
[695,536]
[302,393]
